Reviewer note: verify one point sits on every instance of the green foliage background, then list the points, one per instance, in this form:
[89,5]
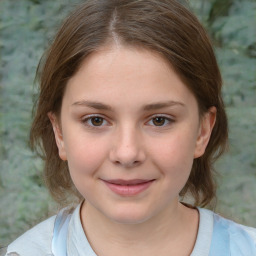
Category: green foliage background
[27,27]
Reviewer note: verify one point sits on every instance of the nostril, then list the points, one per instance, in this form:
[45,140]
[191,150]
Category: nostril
[127,157]
[127,164]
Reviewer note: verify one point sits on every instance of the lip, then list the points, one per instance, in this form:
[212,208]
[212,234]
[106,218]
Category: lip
[128,187]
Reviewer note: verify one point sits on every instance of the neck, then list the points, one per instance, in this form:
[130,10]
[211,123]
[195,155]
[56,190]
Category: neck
[170,227]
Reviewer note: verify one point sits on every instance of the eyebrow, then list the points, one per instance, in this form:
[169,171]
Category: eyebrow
[160,105]
[148,107]
[92,104]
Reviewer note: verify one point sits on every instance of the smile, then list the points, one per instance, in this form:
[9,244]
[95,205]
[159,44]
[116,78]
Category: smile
[128,187]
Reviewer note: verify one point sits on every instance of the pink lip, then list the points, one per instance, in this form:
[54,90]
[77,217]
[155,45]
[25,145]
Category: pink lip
[128,187]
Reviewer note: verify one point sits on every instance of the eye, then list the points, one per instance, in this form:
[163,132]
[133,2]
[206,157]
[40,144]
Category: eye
[160,121]
[94,121]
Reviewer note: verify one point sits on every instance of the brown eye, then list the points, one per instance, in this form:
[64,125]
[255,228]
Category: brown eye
[159,121]
[94,121]
[97,121]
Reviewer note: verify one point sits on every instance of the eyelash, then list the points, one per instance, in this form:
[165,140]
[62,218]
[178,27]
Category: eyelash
[167,119]
[87,120]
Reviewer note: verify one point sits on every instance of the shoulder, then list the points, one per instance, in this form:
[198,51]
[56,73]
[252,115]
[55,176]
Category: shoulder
[234,229]
[251,231]
[238,239]
[36,241]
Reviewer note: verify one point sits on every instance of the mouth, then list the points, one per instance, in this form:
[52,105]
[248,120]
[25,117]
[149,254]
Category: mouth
[128,187]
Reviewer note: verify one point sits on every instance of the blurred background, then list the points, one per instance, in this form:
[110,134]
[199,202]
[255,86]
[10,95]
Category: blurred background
[26,29]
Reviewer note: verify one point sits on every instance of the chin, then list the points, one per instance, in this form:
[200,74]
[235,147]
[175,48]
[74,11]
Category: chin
[131,216]
[129,220]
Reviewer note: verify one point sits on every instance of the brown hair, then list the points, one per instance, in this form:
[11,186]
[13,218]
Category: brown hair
[163,26]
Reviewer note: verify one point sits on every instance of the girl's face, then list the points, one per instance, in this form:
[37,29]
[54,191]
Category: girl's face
[130,129]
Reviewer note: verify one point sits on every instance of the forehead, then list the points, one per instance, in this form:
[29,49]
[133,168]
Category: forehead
[122,74]
[128,61]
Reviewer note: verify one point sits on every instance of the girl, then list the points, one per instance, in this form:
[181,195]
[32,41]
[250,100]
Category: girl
[130,118]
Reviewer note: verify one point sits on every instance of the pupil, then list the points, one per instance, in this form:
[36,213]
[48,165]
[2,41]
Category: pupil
[97,121]
[159,121]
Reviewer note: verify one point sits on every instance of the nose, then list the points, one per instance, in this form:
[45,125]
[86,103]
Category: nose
[127,148]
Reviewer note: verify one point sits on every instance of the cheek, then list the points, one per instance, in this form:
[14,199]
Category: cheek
[174,155]
[85,157]
[84,154]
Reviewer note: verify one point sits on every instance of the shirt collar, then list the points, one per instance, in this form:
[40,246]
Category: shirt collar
[204,235]
[77,243]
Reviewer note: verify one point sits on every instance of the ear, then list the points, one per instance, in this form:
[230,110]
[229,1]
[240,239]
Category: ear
[206,125]
[58,135]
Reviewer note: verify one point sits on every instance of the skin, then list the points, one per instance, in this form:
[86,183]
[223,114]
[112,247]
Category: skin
[128,142]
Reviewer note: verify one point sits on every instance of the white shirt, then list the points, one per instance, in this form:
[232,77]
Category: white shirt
[38,240]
